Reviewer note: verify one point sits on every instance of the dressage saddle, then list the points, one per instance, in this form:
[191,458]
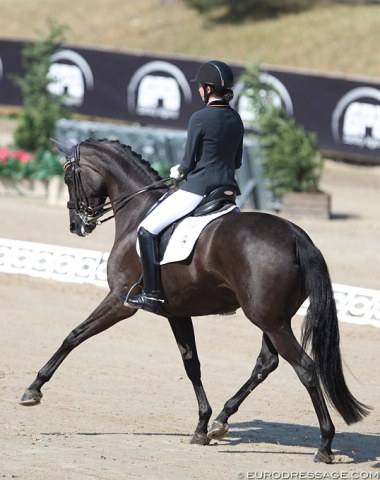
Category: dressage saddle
[216,200]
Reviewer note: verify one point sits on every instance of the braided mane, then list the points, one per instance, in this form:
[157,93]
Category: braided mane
[127,151]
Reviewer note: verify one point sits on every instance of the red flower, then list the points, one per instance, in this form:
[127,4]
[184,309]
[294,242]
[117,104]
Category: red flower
[20,155]
[24,157]
[4,154]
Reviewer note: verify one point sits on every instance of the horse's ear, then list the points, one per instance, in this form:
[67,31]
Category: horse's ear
[67,150]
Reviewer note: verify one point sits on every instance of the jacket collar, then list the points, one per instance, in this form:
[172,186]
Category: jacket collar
[218,103]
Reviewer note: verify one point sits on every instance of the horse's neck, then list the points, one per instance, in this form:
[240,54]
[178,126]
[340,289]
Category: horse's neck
[128,176]
[128,218]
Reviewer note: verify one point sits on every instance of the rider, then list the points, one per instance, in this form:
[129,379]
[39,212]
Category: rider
[213,151]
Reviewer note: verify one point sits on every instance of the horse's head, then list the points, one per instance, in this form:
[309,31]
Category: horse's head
[97,169]
[87,192]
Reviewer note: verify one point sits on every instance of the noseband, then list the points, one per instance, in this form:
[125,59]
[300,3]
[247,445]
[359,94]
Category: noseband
[90,215]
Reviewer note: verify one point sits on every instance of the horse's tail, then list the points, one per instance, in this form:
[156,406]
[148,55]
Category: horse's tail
[321,330]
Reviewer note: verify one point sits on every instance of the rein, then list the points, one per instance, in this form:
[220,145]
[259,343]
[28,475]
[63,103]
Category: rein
[122,201]
[92,215]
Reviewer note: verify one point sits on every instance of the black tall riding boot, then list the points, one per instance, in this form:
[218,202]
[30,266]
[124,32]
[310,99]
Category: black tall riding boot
[149,299]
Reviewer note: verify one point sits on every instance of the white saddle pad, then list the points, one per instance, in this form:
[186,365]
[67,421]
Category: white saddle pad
[182,241]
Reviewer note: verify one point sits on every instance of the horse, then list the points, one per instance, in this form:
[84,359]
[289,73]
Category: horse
[256,261]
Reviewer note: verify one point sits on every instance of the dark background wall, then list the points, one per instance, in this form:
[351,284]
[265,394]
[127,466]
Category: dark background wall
[157,91]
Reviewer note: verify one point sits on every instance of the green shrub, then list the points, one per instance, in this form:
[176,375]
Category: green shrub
[289,155]
[291,160]
[41,109]
[47,164]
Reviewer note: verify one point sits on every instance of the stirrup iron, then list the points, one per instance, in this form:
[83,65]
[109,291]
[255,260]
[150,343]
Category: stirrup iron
[153,299]
[125,303]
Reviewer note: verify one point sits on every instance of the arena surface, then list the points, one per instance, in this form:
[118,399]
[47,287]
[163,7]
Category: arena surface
[121,407]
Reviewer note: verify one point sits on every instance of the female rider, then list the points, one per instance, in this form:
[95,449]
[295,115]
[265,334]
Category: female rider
[213,151]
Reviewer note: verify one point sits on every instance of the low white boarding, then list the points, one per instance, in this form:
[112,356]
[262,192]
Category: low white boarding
[65,264]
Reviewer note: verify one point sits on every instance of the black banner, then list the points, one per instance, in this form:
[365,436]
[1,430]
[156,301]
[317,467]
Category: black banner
[157,91]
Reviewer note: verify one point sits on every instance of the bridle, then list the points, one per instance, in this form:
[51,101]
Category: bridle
[91,215]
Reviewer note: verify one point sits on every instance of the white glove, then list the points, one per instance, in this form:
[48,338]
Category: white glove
[175,173]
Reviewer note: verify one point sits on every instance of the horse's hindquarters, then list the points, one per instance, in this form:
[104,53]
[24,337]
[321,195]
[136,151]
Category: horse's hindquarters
[245,260]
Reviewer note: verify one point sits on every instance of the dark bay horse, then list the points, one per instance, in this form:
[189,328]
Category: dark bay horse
[259,262]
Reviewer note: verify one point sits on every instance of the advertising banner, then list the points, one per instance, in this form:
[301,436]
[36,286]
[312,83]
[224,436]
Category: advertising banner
[158,91]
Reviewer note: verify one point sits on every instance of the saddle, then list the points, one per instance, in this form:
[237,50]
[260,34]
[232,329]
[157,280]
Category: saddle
[216,200]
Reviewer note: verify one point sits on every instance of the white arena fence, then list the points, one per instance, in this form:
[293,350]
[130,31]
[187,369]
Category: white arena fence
[65,264]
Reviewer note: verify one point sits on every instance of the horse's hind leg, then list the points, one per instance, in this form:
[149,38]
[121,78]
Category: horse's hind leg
[289,348]
[267,361]
[103,317]
[184,334]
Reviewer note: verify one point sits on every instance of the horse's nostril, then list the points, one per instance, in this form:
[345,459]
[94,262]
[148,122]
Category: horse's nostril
[72,227]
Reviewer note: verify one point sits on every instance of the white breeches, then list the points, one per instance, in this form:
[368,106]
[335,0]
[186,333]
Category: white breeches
[169,210]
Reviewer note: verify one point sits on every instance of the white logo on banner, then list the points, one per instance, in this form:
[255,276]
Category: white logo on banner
[356,121]
[155,95]
[278,96]
[70,79]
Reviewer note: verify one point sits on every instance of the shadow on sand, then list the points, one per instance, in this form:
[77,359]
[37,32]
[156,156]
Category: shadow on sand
[358,447]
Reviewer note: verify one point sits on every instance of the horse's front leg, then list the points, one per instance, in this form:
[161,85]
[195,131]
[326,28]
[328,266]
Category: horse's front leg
[184,334]
[110,311]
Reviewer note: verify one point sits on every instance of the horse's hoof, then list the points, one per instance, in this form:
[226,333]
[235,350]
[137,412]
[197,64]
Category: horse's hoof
[323,457]
[31,398]
[199,439]
[218,430]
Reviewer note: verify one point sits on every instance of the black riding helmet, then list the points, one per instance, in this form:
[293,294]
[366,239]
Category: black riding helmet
[215,73]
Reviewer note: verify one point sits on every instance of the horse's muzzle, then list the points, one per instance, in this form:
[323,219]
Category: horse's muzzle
[82,229]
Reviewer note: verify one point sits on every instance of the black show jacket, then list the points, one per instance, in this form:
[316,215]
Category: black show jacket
[214,149]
